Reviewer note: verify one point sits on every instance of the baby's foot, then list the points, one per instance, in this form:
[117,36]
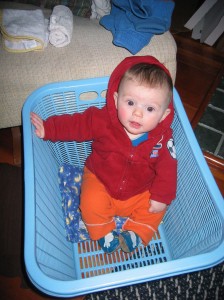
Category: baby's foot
[110,242]
[129,241]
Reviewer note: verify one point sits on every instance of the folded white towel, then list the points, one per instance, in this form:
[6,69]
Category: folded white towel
[24,30]
[61,26]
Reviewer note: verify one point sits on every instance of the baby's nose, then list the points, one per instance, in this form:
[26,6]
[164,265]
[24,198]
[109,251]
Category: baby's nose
[137,112]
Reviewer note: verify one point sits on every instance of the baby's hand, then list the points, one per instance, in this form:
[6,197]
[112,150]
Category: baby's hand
[156,206]
[38,123]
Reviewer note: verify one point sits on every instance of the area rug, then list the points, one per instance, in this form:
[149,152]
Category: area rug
[207,284]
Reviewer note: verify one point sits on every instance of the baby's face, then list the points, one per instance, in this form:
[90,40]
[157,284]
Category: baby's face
[140,108]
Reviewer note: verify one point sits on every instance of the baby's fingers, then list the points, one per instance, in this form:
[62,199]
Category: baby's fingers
[36,120]
[156,207]
[38,124]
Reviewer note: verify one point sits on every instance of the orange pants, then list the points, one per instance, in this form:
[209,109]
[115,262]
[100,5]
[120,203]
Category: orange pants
[98,210]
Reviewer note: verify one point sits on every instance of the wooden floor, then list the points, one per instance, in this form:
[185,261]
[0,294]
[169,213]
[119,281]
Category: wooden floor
[199,68]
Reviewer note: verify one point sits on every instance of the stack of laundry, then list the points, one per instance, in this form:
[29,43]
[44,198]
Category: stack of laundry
[133,23]
[25,31]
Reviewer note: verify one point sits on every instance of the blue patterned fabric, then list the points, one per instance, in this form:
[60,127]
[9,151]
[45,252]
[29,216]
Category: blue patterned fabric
[70,179]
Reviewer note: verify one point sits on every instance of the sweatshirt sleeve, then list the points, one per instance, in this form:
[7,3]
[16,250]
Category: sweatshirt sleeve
[164,185]
[75,127]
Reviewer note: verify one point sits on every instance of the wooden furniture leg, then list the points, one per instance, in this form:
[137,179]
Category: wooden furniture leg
[17,142]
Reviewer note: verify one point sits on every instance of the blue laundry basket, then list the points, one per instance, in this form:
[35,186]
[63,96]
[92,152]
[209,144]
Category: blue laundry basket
[190,237]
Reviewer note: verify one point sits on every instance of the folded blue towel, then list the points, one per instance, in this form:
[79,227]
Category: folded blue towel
[133,23]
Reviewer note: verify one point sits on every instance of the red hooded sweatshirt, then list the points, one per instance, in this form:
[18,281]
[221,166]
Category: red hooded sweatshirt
[124,169]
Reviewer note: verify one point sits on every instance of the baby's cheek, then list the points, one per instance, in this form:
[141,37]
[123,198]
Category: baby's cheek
[122,114]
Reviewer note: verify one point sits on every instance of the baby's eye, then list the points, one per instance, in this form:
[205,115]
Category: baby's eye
[130,102]
[150,109]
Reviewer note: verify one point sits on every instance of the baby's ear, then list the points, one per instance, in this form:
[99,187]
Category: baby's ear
[115,98]
[166,113]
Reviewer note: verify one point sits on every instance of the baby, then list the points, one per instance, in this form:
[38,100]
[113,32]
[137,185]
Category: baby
[131,171]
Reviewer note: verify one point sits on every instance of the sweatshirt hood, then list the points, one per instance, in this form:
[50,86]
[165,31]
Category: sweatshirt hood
[114,82]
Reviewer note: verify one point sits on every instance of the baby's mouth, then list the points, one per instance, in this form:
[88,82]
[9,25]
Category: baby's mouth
[135,125]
